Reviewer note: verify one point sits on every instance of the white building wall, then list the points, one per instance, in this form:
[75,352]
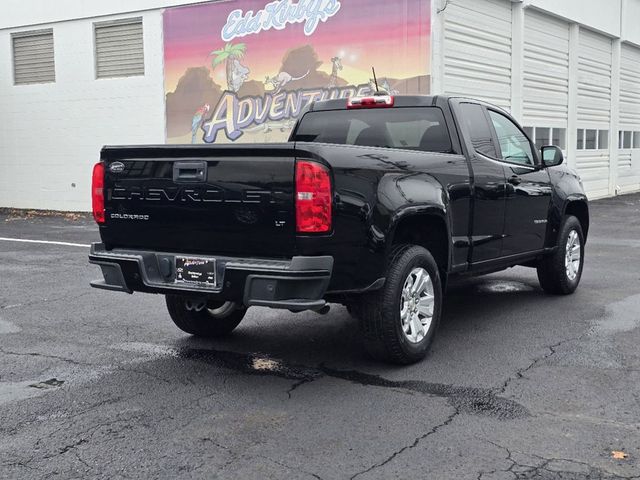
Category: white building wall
[22,13]
[629,19]
[51,134]
[600,15]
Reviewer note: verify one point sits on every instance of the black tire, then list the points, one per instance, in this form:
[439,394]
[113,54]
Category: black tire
[205,322]
[379,312]
[552,270]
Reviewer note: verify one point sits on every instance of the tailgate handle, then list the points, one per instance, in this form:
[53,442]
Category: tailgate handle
[189,172]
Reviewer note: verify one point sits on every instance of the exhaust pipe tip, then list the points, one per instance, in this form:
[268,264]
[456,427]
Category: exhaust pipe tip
[324,310]
[195,305]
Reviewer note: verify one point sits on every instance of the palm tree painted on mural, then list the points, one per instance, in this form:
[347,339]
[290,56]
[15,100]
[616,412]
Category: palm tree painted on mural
[231,55]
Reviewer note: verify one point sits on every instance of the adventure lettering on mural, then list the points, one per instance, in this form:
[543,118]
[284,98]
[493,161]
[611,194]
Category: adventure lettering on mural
[244,70]
[233,115]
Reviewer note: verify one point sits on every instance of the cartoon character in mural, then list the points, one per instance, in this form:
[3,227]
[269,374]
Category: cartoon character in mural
[285,126]
[198,118]
[231,55]
[282,79]
[337,66]
[384,86]
[372,87]
[268,127]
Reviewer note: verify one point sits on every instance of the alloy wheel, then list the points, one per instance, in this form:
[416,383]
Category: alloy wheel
[417,304]
[573,255]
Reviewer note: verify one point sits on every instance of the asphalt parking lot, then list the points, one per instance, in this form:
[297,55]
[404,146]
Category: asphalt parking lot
[519,384]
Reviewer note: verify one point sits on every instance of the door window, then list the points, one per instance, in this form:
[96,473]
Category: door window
[514,145]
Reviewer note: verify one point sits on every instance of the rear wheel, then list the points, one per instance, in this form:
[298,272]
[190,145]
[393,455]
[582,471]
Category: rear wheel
[560,273]
[202,318]
[400,320]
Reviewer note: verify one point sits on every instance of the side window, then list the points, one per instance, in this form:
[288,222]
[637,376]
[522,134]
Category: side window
[514,144]
[479,129]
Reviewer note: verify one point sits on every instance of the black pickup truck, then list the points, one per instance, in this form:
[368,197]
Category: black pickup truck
[374,203]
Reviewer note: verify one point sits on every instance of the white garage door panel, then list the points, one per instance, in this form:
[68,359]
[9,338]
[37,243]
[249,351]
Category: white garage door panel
[630,88]
[594,108]
[477,50]
[546,71]
[629,159]
[594,80]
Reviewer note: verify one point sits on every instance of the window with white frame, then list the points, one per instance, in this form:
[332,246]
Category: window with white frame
[592,139]
[542,136]
[628,139]
[33,59]
[603,139]
[119,48]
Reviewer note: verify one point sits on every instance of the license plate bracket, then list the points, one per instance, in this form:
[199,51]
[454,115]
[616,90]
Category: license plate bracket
[196,271]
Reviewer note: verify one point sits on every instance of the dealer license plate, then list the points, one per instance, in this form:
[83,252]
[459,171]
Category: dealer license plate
[196,271]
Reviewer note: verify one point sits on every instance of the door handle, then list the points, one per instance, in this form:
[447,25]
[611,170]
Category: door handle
[190,172]
[515,180]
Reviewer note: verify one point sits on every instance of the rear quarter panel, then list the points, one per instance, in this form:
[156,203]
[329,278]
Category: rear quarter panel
[375,188]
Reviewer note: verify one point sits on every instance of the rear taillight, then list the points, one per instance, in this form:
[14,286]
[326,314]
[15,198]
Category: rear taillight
[97,192]
[313,197]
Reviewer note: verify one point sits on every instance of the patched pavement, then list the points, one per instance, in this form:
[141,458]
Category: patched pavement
[519,384]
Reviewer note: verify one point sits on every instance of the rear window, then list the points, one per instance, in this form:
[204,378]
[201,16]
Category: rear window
[420,128]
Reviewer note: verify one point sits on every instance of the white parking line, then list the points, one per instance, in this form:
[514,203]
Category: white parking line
[46,242]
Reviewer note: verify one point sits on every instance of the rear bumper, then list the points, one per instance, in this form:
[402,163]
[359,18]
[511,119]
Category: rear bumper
[296,284]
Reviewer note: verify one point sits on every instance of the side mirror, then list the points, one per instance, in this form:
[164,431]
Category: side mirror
[551,156]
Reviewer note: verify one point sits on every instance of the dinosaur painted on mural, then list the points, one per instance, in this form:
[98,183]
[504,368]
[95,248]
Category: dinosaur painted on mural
[282,79]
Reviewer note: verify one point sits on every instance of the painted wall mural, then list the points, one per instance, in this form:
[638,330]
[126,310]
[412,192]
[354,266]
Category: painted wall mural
[243,70]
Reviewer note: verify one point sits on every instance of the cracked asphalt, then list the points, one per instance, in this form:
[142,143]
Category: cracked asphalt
[519,384]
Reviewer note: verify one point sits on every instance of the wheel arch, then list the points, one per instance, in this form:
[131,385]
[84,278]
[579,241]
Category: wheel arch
[579,208]
[426,226]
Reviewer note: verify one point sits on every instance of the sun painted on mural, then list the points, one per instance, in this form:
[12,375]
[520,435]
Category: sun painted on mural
[243,71]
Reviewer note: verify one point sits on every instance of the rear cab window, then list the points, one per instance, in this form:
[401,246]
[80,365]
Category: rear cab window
[477,125]
[409,128]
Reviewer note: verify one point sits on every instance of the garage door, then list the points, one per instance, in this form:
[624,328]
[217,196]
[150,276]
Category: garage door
[477,50]
[629,134]
[546,78]
[594,111]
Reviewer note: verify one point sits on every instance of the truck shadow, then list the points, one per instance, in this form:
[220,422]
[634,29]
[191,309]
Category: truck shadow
[480,310]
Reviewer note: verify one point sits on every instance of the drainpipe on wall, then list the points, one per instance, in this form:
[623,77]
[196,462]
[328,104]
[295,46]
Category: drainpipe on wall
[438,12]
[616,52]
[517,60]
[572,124]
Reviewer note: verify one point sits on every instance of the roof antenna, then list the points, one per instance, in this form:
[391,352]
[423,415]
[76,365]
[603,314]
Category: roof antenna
[375,79]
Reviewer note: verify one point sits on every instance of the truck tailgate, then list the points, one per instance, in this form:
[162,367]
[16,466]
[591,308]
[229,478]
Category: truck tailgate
[234,200]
